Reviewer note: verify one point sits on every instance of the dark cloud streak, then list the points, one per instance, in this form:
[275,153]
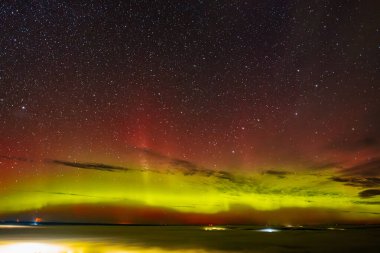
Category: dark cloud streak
[369,193]
[91,166]
[278,173]
[358,181]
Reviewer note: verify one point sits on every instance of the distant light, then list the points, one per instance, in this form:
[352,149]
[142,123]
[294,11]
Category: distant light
[213,228]
[293,226]
[269,230]
[32,248]
[331,228]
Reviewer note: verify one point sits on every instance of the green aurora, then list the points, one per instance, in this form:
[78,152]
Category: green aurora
[148,180]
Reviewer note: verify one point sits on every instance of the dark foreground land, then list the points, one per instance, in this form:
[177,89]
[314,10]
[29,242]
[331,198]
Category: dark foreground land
[152,239]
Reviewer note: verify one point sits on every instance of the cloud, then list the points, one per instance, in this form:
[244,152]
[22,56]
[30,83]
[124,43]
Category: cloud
[183,166]
[369,193]
[170,164]
[16,158]
[189,168]
[67,194]
[91,166]
[327,165]
[150,152]
[186,167]
[358,181]
[84,195]
[278,173]
[370,168]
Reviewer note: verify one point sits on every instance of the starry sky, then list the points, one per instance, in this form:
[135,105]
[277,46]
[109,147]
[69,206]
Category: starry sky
[190,111]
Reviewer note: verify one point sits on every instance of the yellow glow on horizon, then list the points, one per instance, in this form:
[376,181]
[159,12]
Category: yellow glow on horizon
[85,247]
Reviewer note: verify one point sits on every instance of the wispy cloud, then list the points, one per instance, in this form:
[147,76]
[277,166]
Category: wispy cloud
[326,165]
[67,194]
[369,168]
[91,166]
[16,158]
[364,182]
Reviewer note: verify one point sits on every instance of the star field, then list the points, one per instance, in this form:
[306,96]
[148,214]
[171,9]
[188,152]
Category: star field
[235,86]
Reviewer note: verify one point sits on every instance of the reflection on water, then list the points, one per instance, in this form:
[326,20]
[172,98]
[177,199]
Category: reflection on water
[212,228]
[28,247]
[173,239]
[82,247]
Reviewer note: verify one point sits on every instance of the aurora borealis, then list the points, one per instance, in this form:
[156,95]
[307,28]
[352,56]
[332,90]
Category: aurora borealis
[190,112]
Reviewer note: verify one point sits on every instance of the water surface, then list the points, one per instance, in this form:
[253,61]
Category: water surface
[155,239]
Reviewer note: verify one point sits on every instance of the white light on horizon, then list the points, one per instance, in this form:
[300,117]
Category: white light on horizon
[269,230]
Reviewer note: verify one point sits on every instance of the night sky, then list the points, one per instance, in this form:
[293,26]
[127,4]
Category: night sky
[190,111]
